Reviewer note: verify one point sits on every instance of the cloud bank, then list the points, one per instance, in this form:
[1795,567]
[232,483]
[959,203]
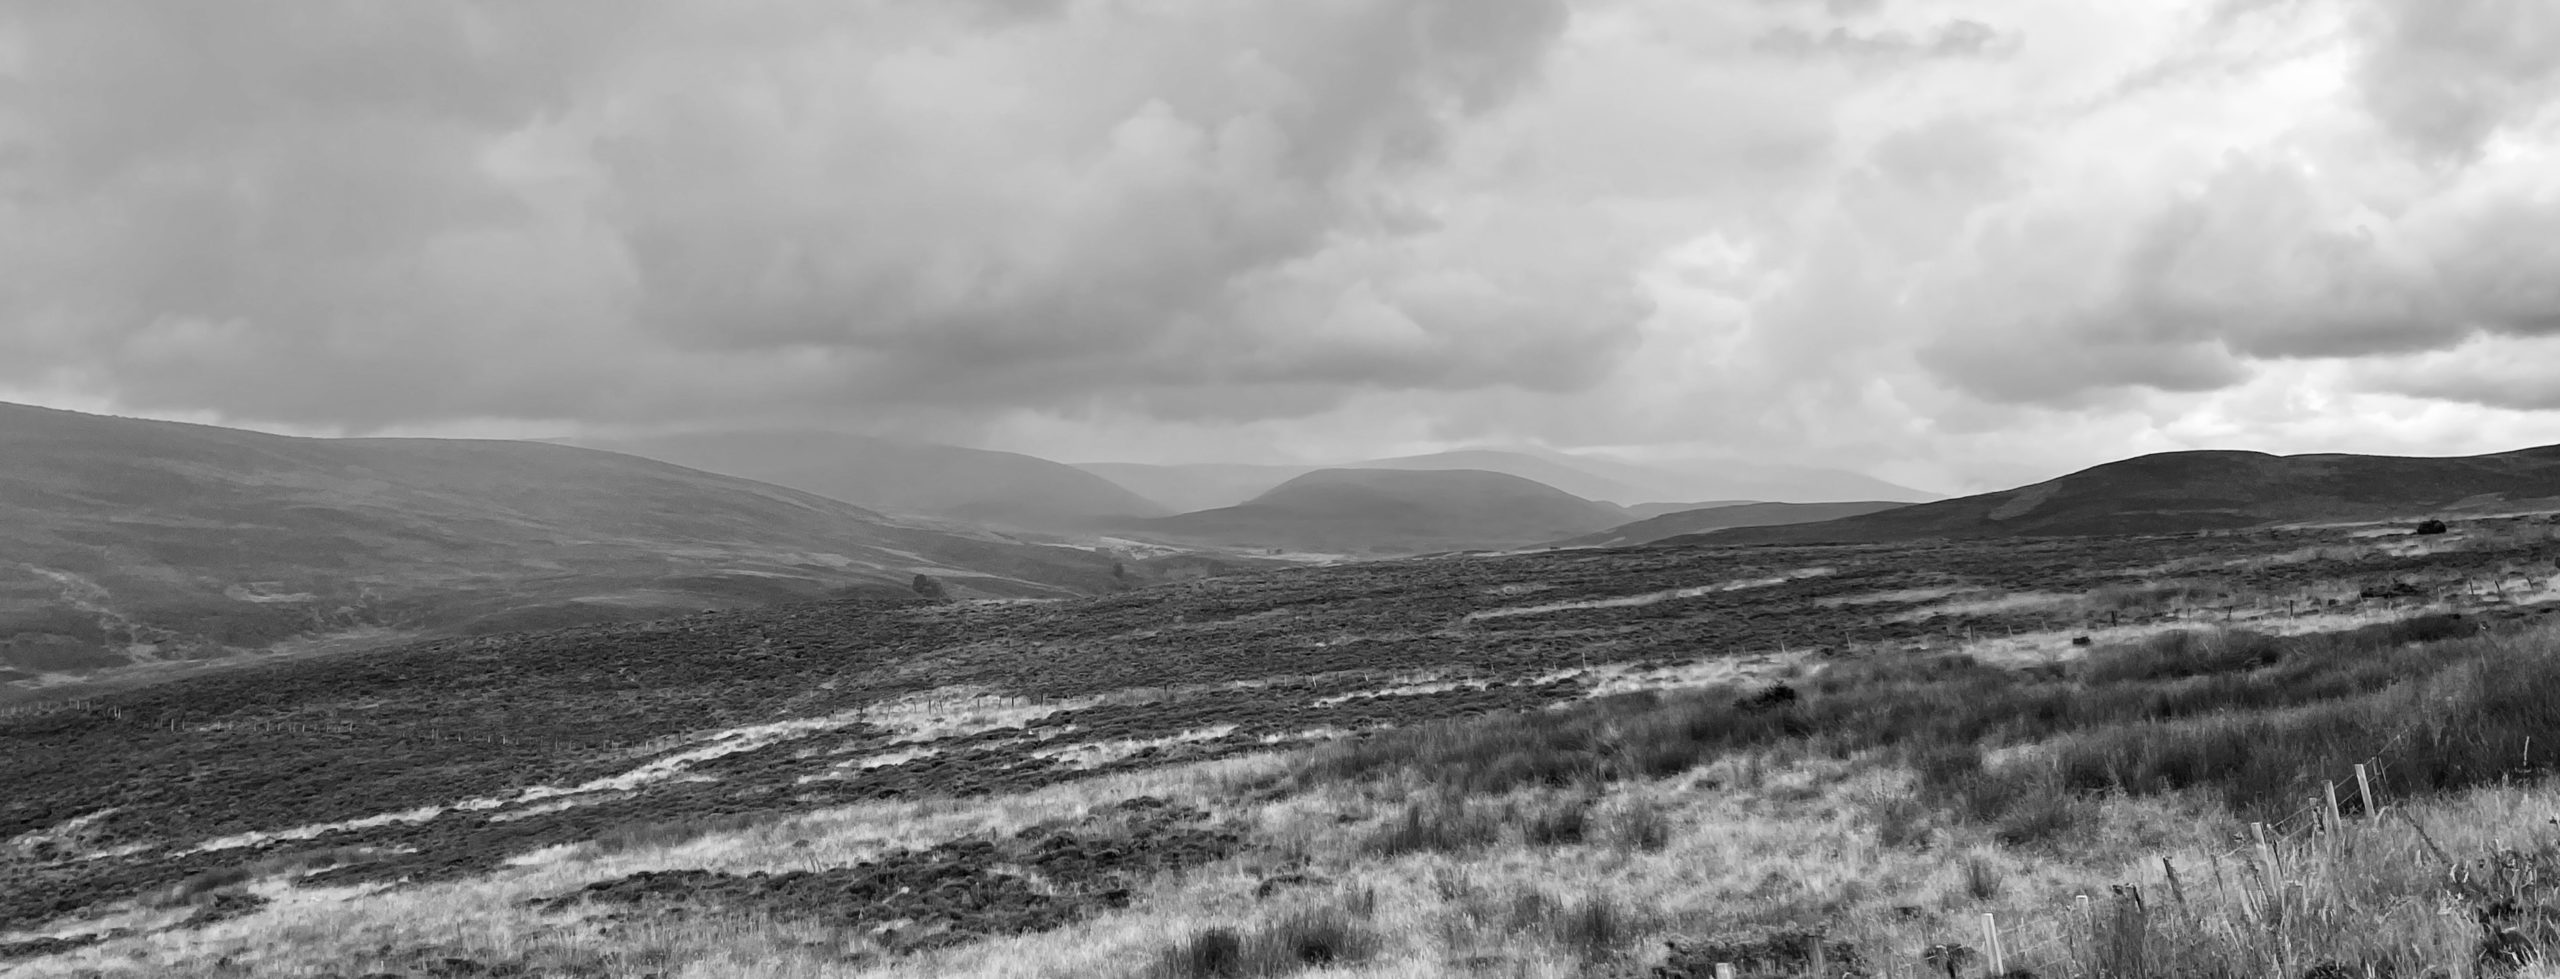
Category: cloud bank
[1945,241]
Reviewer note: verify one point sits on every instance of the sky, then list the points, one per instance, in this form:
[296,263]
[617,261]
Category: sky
[1959,244]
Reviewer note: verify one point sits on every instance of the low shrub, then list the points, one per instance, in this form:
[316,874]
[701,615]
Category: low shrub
[1558,822]
[1640,823]
[1210,953]
[1983,880]
[2183,653]
[1311,938]
[1436,826]
[1594,928]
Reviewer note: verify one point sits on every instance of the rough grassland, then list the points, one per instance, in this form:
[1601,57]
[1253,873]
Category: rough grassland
[1350,772]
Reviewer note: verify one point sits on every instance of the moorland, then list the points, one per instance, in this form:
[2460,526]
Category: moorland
[132,550]
[2300,751]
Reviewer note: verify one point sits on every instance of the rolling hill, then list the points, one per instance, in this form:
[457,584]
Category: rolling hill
[1389,511]
[125,541]
[1704,519]
[2179,492]
[1188,487]
[1648,511]
[901,477]
[1592,477]
[1559,471]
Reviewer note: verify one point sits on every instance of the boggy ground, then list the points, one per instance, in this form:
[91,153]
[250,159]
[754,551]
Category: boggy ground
[485,805]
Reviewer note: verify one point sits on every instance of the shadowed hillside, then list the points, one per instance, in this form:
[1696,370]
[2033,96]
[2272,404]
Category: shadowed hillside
[134,541]
[1385,511]
[2178,492]
[1704,519]
[904,477]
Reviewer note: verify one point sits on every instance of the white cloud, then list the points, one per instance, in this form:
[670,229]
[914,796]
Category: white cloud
[1950,240]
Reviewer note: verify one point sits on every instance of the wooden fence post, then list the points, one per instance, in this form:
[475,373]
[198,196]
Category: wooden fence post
[2266,853]
[2089,923]
[1991,944]
[2132,930]
[2364,790]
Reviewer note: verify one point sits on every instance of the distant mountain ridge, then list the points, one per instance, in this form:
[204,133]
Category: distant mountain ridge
[1187,487]
[126,540]
[1206,486]
[1705,519]
[1648,511]
[1394,511]
[897,476]
[2181,492]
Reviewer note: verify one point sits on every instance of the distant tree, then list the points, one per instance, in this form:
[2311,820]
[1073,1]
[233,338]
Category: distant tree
[1119,571]
[925,585]
[2431,527]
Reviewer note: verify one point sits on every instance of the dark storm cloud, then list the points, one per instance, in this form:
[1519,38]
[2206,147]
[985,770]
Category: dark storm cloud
[371,214]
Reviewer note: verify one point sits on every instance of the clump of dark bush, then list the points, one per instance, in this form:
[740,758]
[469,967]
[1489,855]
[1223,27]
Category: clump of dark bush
[927,586]
[1787,953]
[1313,938]
[2430,527]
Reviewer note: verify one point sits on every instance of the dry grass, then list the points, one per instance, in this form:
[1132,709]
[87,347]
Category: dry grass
[1746,845]
[1574,842]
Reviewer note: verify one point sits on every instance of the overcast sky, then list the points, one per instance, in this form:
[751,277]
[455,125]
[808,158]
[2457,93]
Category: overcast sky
[1954,243]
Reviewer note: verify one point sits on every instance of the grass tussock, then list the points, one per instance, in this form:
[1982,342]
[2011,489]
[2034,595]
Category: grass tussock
[1309,938]
[1442,825]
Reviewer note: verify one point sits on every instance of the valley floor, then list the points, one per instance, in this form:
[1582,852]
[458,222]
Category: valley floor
[2137,768]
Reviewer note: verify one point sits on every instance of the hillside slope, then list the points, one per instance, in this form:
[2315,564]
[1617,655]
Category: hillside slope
[2179,492]
[1388,511]
[1211,485]
[974,485]
[1648,511]
[1705,519]
[1622,488]
[132,541]
[1187,487]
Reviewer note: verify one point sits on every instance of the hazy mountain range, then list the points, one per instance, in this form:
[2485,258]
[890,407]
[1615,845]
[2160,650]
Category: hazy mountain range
[901,477]
[1394,511]
[1701,520]
[1652,489]
[124,540]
